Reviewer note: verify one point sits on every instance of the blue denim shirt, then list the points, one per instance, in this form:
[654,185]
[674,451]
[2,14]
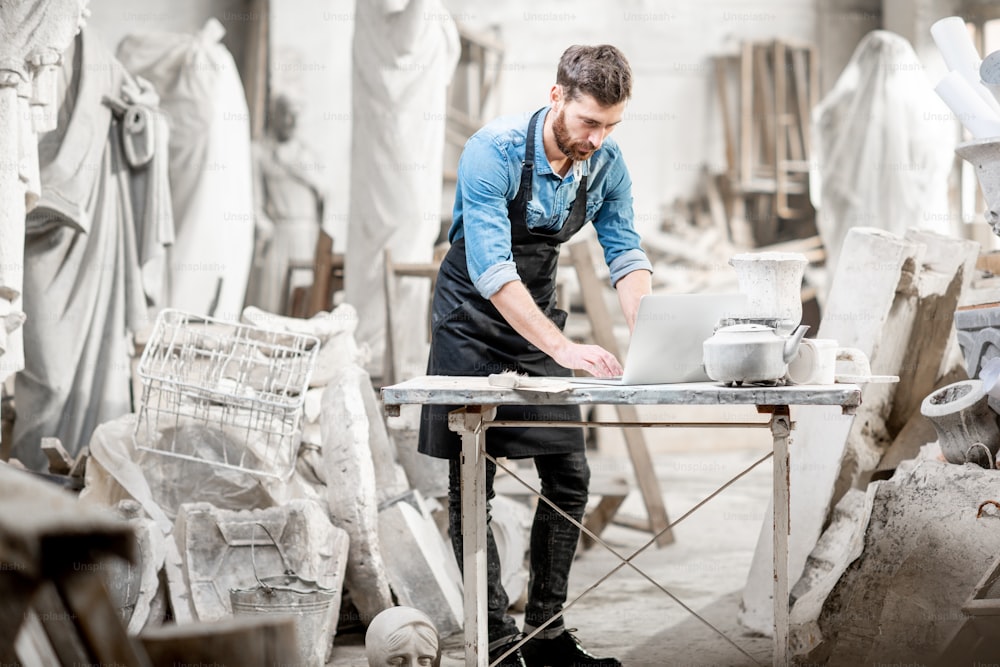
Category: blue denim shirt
[489,174]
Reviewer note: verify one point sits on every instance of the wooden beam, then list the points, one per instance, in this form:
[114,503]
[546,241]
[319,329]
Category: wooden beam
[722,88]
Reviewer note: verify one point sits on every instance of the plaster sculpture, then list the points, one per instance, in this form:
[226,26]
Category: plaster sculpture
[402,636]
[211,183]
[772,282]
[99,229]
[352,488]
[404,54]
[288,209]
[33,35]
[966,426]
[882,151]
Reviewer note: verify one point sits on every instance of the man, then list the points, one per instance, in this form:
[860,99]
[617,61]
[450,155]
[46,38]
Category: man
[523,189]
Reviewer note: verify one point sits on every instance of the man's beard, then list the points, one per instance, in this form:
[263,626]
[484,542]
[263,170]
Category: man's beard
[574,150]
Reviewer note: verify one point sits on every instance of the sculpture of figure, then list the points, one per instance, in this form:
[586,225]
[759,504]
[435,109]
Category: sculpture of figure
[33,35]
[402,637]
[883,143]
[211,177]
[405,52]
[100,226]
[288,209]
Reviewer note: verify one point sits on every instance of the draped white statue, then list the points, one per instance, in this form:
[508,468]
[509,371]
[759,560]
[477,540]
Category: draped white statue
[405,52]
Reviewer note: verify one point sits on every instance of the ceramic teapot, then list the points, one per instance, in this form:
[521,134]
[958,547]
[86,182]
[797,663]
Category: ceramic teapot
[739,353]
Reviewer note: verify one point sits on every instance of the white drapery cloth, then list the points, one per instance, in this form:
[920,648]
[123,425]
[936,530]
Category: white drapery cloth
[883,144]
[100,225]
[210,164]
[405,52]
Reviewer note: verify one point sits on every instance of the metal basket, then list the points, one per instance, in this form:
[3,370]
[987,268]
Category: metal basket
[223,393]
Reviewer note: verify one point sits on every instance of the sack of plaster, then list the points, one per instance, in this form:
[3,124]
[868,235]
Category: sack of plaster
[118,470]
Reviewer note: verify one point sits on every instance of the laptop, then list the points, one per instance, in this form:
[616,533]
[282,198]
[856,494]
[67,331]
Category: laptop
[666,344]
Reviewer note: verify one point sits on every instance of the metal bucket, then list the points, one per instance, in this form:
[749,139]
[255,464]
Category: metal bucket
[311,605]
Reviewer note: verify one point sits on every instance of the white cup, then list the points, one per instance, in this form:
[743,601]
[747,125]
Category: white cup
[815,362]
[852,363]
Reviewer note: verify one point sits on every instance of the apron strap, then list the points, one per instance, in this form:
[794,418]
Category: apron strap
[519,205]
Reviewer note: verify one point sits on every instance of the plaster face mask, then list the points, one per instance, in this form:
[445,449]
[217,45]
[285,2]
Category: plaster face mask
[401,637]
[409,649]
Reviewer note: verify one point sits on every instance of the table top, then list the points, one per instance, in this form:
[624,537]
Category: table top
[454,390]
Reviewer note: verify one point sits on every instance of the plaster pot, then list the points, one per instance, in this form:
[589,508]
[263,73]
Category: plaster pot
[962,417]
[984,154]
[772,282]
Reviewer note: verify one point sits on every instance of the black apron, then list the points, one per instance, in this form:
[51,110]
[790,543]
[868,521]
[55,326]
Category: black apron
[470,337]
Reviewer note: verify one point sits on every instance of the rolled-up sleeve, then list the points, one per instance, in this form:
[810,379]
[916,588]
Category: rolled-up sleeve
[614,223]
[483,183]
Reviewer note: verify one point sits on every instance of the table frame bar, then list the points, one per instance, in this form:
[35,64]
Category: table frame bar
[471,423]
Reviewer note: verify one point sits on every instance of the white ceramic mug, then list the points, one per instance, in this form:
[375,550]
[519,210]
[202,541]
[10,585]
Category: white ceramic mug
[852,364]
[815,362]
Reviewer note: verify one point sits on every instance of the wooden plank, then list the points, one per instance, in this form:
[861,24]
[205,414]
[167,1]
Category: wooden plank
[252,641]
[803,103]
[746,114]
[79,468]
[764,96]
[600,320]
[715,206]
[32,646]
[96,618]
[722,89]
[740,230]
[60,461]
[599,518]
[59,627]
[320,295]
[783,121]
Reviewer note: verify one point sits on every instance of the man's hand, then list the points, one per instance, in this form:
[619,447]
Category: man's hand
[591,358]
[517,307]
[631,288]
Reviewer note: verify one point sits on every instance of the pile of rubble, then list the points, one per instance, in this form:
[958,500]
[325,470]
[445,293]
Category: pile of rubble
[356,517]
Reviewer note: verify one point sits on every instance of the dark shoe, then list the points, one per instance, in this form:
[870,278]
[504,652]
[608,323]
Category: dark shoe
[515,659]
[562,651]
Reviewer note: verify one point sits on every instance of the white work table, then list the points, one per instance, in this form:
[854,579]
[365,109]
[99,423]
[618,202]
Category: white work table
[480,400]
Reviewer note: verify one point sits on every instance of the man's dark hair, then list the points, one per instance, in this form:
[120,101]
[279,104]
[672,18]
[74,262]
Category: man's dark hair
[599,71]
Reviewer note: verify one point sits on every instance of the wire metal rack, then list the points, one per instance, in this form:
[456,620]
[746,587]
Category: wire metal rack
[223,393]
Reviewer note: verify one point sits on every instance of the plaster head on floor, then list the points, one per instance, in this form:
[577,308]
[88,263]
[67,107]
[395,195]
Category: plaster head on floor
[402,637]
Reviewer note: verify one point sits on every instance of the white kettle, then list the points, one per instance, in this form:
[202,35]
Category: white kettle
[740,353]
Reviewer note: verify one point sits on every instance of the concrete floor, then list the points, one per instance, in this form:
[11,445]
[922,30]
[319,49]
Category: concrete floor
[706,567]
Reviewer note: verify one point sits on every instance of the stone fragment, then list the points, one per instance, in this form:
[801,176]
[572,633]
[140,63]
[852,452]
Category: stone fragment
[350,477]
[415,559]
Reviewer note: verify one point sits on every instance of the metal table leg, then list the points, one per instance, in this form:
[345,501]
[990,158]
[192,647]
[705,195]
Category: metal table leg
[468,422]
[780,429]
